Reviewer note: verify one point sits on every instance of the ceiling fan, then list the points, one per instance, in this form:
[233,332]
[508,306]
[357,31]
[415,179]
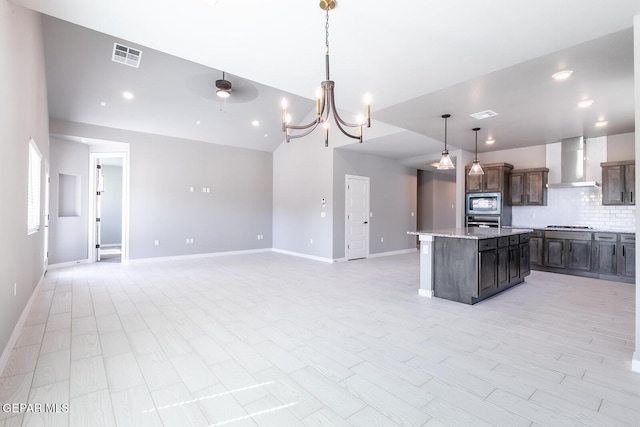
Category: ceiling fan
[223,87]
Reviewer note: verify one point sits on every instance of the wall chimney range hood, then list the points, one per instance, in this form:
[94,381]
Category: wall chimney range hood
[574,164]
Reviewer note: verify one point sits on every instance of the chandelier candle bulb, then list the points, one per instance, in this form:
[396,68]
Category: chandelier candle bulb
[318,98]
[326,133]
[284,113]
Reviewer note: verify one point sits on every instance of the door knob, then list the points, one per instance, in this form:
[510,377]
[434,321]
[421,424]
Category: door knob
[366,222]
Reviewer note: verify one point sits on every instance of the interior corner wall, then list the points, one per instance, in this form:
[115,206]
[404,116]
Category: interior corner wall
[302,177]
[393,201]
[436,200]
[68,235]
[23,102]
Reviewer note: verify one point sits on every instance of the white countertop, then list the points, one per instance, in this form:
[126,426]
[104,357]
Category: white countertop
[471,232]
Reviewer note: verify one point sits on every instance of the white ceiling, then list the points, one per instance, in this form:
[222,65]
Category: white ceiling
[418,59]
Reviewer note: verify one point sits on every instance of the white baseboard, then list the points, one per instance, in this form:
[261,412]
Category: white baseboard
[399,252]
[13,339]
[635,362]
[425,293]
[301,255]
[195,256]
[67,264]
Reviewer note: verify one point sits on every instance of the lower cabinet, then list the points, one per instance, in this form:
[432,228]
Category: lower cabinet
[470,270]
[568,249]
[536,248]
[605,255]
[487,272]
[627,255]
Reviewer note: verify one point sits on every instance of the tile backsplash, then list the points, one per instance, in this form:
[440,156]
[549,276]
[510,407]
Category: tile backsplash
[576,206]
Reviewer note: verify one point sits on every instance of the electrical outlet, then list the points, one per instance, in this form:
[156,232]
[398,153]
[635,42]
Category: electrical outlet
[156,242]
[412,214]
[382,240]
[311,241]
[323,214]
[191,189]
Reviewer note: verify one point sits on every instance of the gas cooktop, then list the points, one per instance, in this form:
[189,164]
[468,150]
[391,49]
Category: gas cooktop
[571,227]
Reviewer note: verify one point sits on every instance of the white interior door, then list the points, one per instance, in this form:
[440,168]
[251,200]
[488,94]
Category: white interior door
[99,188]
[357,217]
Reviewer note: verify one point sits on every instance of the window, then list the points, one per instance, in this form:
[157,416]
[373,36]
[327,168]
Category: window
[33,191]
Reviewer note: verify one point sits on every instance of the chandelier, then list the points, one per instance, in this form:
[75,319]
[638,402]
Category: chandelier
[325,102]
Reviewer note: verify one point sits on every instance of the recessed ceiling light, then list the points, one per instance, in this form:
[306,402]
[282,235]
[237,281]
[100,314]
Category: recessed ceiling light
[266,135]
[103,104]
[602,123]
[562,75]
[585,103]
[127,95]
[255,123]
[198,122]
[490,141]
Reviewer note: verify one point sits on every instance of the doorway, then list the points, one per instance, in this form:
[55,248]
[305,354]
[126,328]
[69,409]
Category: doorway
[356,217]
[108,219]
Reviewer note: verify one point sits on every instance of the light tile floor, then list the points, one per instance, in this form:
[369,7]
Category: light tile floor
[273,340]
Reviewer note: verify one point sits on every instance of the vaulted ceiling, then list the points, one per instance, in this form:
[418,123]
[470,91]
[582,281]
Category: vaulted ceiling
[418,59]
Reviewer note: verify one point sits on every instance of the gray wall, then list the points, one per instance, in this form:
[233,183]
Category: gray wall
[111,203]
[228,218]
[68,234]
[436,200]
[302,176]
[393,190]
[23,102]
[162,170]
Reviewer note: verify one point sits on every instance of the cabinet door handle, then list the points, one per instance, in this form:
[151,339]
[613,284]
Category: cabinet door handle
[614,250]
[522,198]
[622,196]
[623,251]
[631,197]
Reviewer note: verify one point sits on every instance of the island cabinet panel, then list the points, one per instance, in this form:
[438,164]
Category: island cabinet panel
[605,260]
[524,251]
[503,261]
[627,255]
[456,269]
[471,269]
[488,272]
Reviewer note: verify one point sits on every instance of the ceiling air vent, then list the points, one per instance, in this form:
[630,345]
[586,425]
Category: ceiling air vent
[484,114]
[126,55]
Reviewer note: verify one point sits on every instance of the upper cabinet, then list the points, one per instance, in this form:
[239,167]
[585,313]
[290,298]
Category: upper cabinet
[528,187]
[494,180]
[618,183]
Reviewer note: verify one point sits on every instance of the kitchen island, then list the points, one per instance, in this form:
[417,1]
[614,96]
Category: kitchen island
[470,264]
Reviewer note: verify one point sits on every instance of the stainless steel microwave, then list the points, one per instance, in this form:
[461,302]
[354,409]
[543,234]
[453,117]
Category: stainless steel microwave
[484,203]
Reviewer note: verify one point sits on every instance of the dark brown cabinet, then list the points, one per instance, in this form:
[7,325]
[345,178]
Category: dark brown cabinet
[536,248]
[470,270]
[524,252]
[604,255]
[605,246]
[618,183]
[627,254]
[528,187]
[568,249]
[488,272]
[494,180]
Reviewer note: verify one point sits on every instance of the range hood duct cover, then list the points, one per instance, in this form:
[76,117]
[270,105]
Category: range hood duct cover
[573,169]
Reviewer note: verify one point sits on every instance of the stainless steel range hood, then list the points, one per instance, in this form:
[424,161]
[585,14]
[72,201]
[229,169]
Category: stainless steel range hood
[574,167]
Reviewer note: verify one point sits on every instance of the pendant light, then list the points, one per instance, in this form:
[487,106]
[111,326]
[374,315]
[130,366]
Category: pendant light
[476,169]
[445,160]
